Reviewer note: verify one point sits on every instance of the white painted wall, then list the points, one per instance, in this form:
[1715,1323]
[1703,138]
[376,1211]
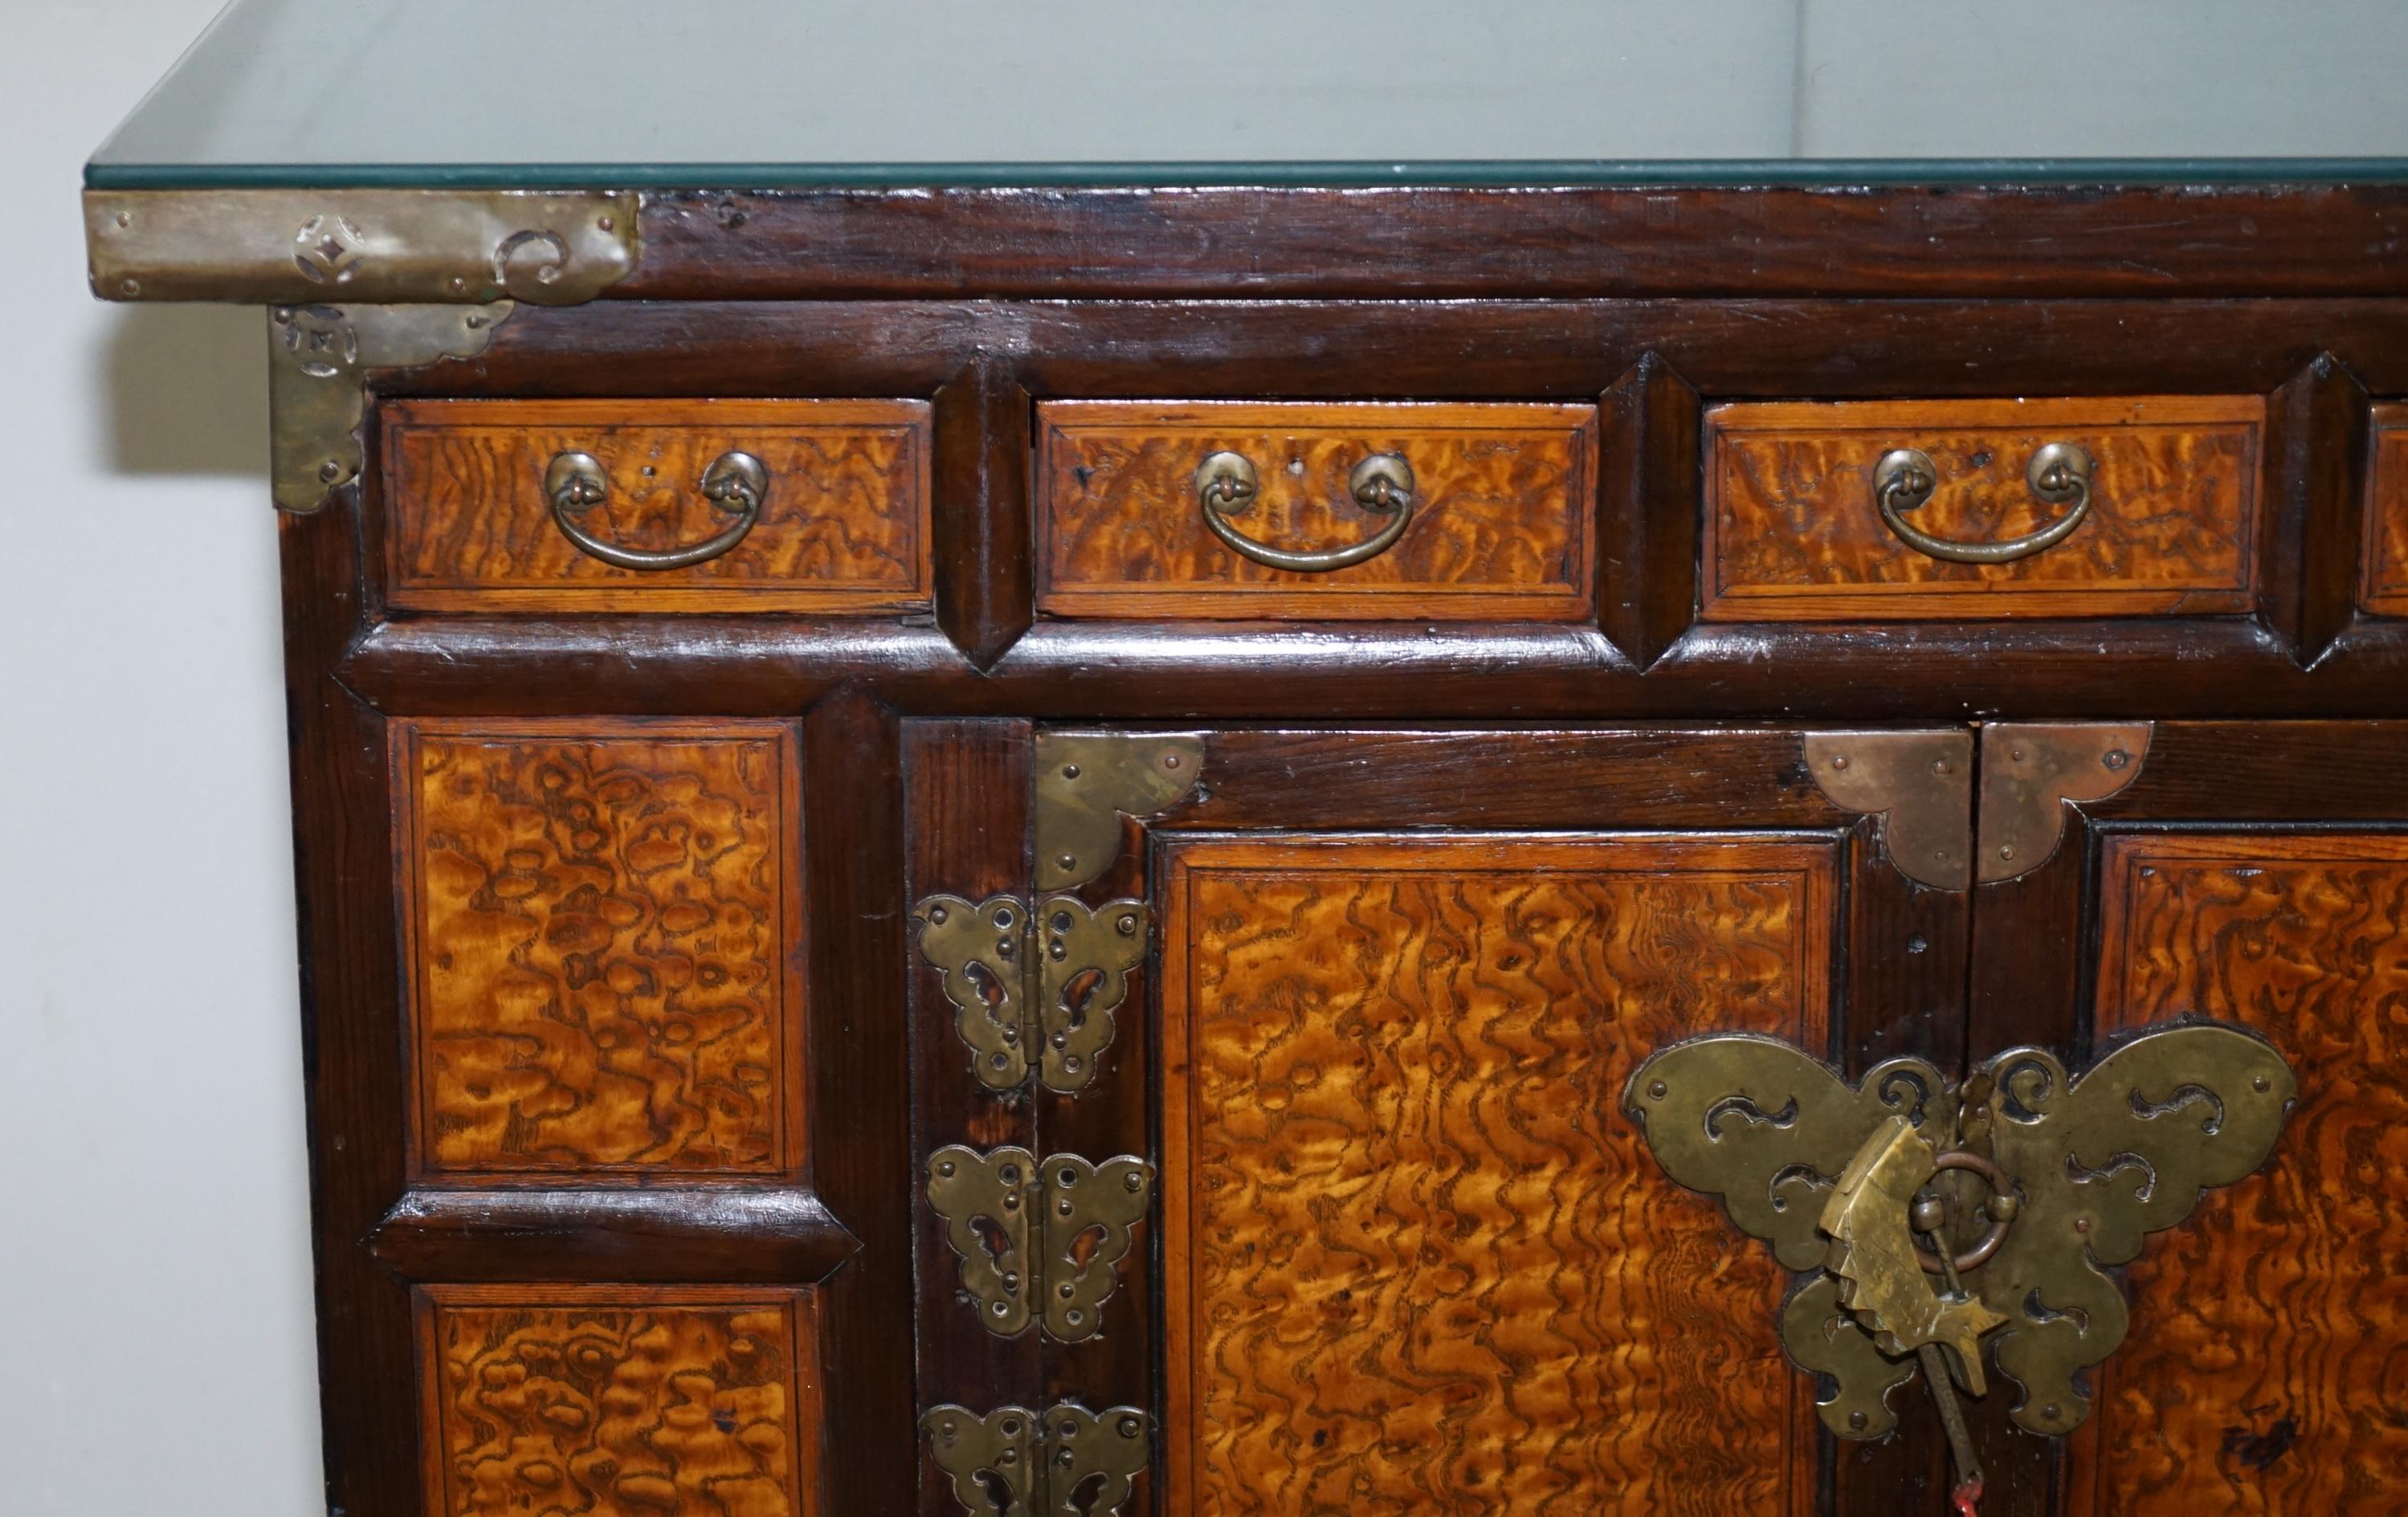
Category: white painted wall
[156,1348]
[155,1326]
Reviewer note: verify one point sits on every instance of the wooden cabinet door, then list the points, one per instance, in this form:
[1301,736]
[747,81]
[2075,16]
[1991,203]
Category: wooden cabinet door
[2254,874]
[1408,1254]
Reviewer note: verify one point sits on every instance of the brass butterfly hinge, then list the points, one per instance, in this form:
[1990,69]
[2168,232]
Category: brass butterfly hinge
[1047,972]
[1938,1222]
[1039,1241]
[1067,1462]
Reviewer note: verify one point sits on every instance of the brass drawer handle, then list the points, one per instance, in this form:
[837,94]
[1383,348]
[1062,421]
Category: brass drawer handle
[1227,483]
[1905,478]
[736,482]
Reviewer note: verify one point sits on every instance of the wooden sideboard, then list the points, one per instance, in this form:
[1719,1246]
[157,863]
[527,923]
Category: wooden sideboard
[1112,919]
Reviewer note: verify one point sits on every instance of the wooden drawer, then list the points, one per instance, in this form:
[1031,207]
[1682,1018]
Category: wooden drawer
[842,525]
[617,1400]
[1500,523]
[1794,532]
[2387,520]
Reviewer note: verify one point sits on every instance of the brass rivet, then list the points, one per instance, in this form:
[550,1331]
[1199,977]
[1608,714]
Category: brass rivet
[2082,1224]
[131,287]
[608,224]
[2117,758]
[1656,1091]
[1133,1180]
[937,915]
[1856,1420]
[2261,1084]
[2050,1412]
[1939,766]
[1067,861]
[1838,761]
[126,218]
[1070,771]
[1170,761]
[330,471]
[946,1168]
[2006,850]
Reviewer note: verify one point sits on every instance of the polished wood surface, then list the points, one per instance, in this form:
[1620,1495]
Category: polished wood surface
[1413,1259]
[1424,240]
[1503,510]
[2386,515]
[2262,1371]
[845,527]
[619,1402]
[911,705]
[1792,531]
[601,923]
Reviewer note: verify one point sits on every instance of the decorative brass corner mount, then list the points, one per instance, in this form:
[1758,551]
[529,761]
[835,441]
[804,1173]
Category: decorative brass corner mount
[1069,1462]
[360,247]
[1049,975]
[1086,782]
[318,360]
[2077,1170]
[1054,1233]
[1919,783]
[355,280]
[2029,772]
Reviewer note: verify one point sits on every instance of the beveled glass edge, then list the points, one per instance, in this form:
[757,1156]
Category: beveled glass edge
[1534,173]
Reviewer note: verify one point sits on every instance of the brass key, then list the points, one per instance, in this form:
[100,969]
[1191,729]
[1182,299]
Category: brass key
[1880,1204]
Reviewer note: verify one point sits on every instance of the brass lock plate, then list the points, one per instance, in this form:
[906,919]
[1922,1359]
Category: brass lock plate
[2096,1162]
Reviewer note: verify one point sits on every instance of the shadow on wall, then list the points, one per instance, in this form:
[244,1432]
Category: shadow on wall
[186,391]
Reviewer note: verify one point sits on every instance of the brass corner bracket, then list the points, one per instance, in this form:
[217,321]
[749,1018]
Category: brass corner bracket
[1051,1232]
[1864,1186]
[1087,782]
[357,281]
[2031,771]
[360,247]
[318,361]
[1066,1462]
[1048,973]
[1918,785]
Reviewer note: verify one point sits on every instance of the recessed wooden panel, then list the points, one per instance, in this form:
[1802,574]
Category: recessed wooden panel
[1793,532]
[1415,1257]
[618,1402]
[845,527]
[601,940]
[2387,520]
[2267,1363]
[1503,510]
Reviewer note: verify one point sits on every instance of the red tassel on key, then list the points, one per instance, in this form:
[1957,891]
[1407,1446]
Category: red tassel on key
[1965,1496]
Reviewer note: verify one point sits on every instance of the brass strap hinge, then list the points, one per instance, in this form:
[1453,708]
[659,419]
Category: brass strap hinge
[1920,786]
[1039,1241]
[1049,975]
[1067,1462]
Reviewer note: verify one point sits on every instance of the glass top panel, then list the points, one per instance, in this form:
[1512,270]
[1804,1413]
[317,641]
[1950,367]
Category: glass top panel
[768,92]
